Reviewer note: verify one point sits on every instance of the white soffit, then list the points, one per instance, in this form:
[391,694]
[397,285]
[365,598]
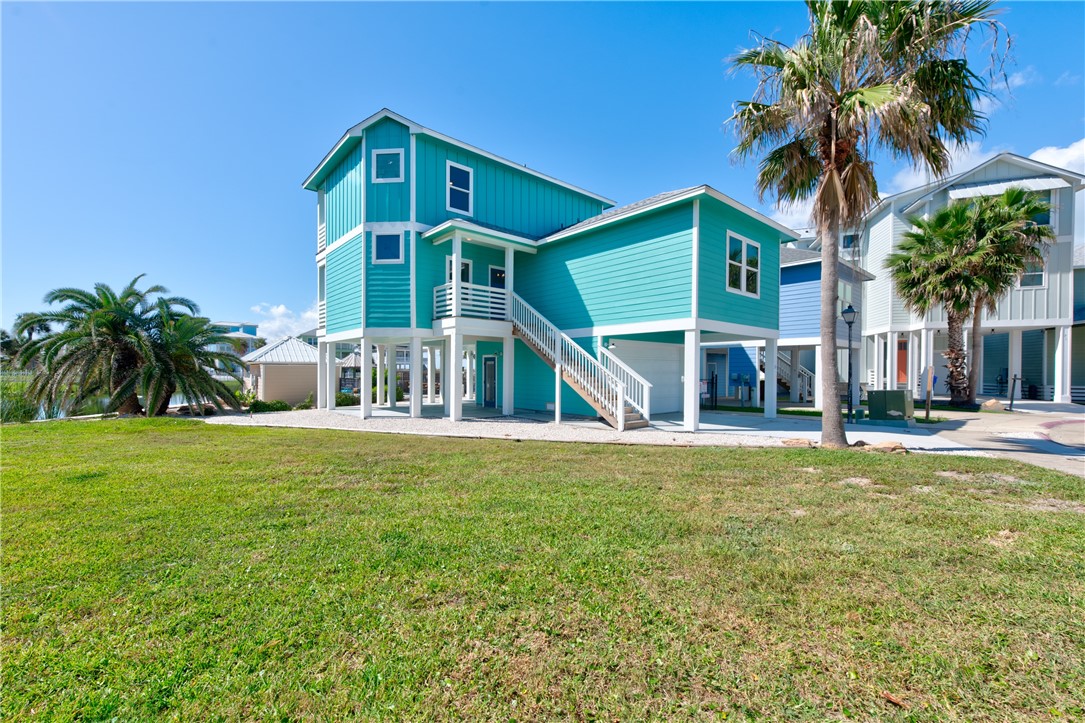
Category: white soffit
[994,189]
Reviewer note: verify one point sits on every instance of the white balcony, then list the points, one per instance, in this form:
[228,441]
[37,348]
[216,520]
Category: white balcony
[478,302]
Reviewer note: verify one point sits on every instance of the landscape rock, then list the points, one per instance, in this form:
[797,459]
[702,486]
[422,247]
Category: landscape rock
[992,405]
[889,446]
[796,442]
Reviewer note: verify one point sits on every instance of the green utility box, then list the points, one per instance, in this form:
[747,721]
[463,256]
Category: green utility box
[890,405]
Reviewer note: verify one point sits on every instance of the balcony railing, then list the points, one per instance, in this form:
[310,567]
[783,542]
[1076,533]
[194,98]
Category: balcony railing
[321,237]
[322,315]
[479,302]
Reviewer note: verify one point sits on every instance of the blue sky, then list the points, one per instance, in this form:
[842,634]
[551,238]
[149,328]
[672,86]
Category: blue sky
[172,139]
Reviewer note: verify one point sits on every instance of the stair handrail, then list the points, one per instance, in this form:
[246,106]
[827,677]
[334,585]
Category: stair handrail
[783,371]
[638,390]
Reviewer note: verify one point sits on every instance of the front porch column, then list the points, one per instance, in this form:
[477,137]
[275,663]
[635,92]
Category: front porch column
[691,378]
[879,363]
[818,367]
[470,375]
[380,375]
[455,376]
[416,376]
[365,386]
[770,378]
[332,374]
[1015,362]
[321,376]
[912,362]
[390,369]
[457,282]
[508,366]
[431,363]
[793,379]
[446,398]
[891,350]
[1063,340]
[509,256]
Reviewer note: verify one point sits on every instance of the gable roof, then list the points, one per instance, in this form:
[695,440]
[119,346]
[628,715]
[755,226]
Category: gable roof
[801,257]
[354,135]
[290,350]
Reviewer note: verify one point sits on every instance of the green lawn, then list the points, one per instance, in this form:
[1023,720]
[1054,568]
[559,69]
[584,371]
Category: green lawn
[176,569]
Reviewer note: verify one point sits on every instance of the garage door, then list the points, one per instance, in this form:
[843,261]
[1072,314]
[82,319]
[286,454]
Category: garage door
[660,364]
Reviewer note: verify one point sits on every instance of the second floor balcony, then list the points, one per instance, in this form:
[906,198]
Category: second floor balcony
[475,301]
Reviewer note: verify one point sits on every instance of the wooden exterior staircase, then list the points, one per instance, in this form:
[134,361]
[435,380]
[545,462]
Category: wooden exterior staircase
[623,408]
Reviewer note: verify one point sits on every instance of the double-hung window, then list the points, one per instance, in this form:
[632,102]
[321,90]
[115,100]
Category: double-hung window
[460,189]
[743,265]
[388,248]
[1033,275]
[387,165]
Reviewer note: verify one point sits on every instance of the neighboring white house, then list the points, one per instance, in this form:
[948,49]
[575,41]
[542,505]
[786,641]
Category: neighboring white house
[284,370]
[1028,336]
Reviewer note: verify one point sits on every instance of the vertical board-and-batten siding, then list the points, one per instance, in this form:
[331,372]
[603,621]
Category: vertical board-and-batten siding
[343,189]
[388,201]
[715,302]
[343,286]
[503,198]
[630,271]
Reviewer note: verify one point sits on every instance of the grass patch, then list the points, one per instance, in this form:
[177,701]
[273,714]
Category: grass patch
[167,568]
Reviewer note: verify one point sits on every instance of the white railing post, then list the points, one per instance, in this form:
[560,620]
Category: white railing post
[621,407]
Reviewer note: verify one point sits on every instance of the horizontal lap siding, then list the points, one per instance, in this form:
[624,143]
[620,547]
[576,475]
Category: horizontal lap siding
[343,191]
[715,302]
[633,271]
[388,289]
[800,301]
[388,201]
[343,281]
[880,290]
[504,198]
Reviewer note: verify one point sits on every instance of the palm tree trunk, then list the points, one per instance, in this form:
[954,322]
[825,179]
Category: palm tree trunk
[832,423]
[164,405]
[126,364]
[974,345]
[956,359]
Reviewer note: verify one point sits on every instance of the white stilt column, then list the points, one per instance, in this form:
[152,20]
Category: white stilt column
[321,376]
[1015,362]
[793,378]
[390,367]
[1063,340]
[691,381]
[416,376]
[508,371]
[431,367]
[891,350]
[380,375]
[770,378]
[365,389]
[454,372]
[446,398]
[879,363]
[557,383]
[818,367]
[470,375]
[332,374]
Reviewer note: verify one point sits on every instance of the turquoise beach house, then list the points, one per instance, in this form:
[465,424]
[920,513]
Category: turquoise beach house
[507,288]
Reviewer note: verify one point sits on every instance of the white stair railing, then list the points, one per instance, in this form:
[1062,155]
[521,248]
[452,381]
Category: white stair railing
[589,374]
[783,373]
[638,390]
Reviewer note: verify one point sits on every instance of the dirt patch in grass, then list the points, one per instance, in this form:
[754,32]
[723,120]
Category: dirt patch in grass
[1003,538]
[856,482]
[1050,504]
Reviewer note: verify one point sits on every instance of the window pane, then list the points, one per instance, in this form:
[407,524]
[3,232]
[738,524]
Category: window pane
[734,250]
[459,200]
[1033,276]
[734,276]
[465,272]
[751,281]
[459,178]
[387,247]
[388,165]
[497,278]
[751,256]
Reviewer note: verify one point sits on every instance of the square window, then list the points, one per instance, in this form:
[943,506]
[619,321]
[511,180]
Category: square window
[460,182]
[387,248]
[388,166]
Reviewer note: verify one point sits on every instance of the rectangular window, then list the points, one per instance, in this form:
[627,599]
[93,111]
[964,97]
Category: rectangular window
[843,296]
[851,240]
[460,189]
[388,165]
[743,265]
[497,277]
[465,270]
[388,248]
[1033,276]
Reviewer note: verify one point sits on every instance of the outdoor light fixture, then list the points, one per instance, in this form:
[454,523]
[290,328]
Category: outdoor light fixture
[848,315]
[611,345]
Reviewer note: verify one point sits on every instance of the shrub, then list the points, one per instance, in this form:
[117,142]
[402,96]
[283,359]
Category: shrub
[16,405]
[276,405]
[343,399]
[307,404]
[399,394]
[246,396]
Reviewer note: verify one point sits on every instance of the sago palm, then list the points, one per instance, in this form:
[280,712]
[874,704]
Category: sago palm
[184,357]
[1009,240]
[867,77]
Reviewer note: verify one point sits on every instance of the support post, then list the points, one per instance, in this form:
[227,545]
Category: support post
[1015,361]
[509,257]
[879,363]
[508,369]
[431,364]
[557,389]
[332,374]
[691,381]
[365,388]
[380,374]
[390,370]
[819,403]
[1063,341]
[770,378]
[457,282]
[891,352]
[321,376]
[455,376]
[416,376]
[470,375]
[793,378]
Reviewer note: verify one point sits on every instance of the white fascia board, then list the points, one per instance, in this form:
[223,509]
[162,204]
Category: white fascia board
[442,232]
[640,327]
[356,131]
[727,327]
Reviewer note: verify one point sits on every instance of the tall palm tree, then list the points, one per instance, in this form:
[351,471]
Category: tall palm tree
[1003,228]
[185,352]
[99,349]
[867,77]
[935,265]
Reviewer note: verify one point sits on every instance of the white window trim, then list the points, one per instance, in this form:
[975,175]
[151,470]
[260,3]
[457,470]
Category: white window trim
[490,275]
[742,276]
[470,270]
[1041,285]
[377,261]
[373,165]
[470,193]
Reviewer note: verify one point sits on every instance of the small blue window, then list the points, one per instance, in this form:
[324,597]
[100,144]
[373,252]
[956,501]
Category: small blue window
[387,248]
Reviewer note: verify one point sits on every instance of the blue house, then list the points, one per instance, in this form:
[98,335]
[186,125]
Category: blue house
[511,289]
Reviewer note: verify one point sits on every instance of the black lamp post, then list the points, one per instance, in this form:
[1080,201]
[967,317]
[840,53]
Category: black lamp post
[848,315]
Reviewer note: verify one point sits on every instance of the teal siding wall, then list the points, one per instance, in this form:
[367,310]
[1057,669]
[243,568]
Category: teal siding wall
[343,189]
[344,286]
[715,302]
[632,271]
[504,198]
[487,348]
[388,288]
[388,201]
[535,383]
